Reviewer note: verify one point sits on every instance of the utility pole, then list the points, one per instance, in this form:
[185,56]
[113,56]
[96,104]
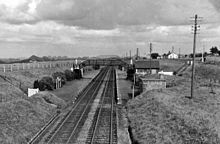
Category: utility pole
[130,54]
[137,55]
[179,53]
[150,56]
[194,50]
[203,53]
[133,88]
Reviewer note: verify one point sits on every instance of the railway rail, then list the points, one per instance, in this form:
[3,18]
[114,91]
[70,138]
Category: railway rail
[66,126]
[104,126]
[104,121]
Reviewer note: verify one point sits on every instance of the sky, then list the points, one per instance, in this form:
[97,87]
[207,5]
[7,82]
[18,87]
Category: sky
[105,27]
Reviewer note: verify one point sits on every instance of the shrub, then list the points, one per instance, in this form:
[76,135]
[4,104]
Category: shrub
[77,74]
[69,75]
[46,83]
[96,67]
[61,75]
[36,84]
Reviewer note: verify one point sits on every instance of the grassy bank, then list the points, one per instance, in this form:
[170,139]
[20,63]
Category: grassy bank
[167,116]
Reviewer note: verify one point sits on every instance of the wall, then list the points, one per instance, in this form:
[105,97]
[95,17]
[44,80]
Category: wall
[146,71]
[150,84]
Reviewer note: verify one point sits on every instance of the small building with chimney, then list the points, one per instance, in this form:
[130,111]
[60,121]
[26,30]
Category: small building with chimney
[146,67]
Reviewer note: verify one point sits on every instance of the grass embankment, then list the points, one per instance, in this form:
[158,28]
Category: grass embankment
[167,116]
[22,117]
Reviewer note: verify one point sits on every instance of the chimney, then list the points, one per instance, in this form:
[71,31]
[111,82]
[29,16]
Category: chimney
[137,53]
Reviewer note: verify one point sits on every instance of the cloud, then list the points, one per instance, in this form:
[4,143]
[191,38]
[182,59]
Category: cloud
[105,14]
[215,4]
[18,11]
[106,26]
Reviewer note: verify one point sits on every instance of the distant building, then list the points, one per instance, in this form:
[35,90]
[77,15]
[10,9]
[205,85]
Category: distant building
[146,67]
[173,56]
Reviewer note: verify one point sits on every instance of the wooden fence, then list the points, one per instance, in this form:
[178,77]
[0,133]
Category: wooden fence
[35,65]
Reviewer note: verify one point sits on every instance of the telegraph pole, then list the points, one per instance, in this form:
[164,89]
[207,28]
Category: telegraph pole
[203,53]
[194,50]
[130,54]
[150,56]
[137,55]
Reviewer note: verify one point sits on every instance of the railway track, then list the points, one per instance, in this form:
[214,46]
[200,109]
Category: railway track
[78,112]
[70,126]
[104,126]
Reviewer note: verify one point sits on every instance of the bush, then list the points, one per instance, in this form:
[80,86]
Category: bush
[77,74]
[96,67]
[46,83]
[69,75]
[61,75]
[36,84]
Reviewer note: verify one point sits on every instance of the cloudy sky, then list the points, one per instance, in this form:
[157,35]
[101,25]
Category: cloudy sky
[99,27]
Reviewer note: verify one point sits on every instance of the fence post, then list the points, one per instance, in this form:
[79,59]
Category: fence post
[11,67]
[4,68]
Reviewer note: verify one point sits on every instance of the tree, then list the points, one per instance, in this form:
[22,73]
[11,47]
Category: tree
[154,55]
[36,84]
[214,50]
[69,75]
[46,83]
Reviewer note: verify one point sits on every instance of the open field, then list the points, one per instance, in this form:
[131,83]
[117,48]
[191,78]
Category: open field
[170,65]
[24,79]
[167,116]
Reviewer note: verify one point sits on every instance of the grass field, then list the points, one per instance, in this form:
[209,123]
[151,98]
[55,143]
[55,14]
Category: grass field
[24,79]
[167,116]
[170,65]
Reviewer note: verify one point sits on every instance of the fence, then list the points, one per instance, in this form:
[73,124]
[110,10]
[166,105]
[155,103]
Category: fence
[34,65]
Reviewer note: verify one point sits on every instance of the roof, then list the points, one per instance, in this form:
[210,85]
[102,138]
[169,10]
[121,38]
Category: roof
[173,54]
[147,64]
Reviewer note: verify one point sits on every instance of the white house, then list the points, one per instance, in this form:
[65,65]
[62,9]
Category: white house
[172,56]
